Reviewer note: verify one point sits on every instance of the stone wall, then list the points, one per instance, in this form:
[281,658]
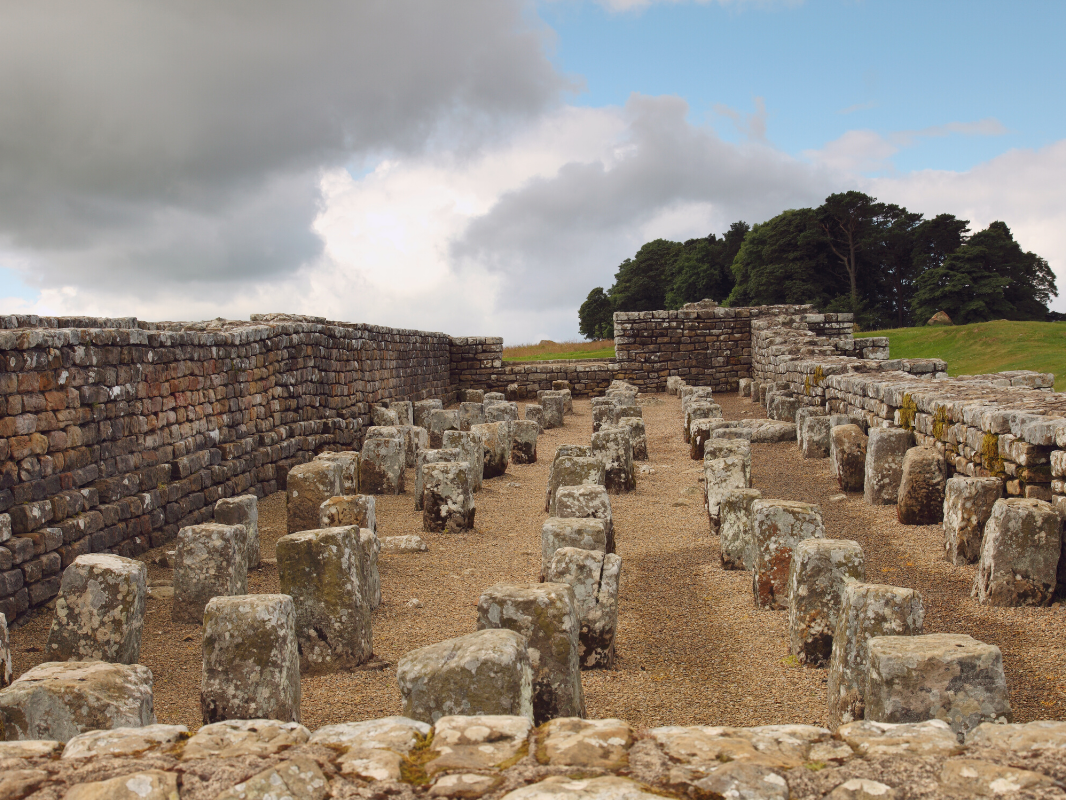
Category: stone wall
[116,433]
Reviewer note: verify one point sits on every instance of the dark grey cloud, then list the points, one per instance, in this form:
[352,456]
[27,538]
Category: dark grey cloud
[152,141]
[549,239]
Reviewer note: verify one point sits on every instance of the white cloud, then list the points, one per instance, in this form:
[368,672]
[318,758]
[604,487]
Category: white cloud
[638,5]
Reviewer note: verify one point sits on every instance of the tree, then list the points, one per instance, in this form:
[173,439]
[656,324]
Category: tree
[937,238]
[965,286]
[702,269]
[596,316]
[845,219]
[1030,281]
[890,246]
[640,283]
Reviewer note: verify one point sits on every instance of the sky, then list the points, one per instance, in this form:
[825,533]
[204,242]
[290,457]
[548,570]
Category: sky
[476,167]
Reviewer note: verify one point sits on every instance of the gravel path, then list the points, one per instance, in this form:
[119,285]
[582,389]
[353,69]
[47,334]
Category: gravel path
[692,649]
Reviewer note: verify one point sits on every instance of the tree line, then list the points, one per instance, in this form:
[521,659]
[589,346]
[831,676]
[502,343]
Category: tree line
[891,267]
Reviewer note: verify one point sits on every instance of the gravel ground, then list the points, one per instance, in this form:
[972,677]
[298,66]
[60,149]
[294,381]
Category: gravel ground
[692,649]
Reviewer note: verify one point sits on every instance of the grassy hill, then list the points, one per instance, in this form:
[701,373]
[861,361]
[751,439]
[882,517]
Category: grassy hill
[986,346]
[548,350]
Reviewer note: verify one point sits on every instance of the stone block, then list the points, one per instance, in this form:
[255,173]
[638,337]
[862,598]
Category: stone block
[524,442]
[421,409]
[847,455]
[885,450]
[234,738]
[405,412]
[380,415]
[815,437]
[482,673]
[465,743]
[209,561]
[720,448]
[700,409]
[868,739]
[778,526]
[123,741]
[514,391]
[626,408]
[251,662]
[554,407]
[491,397]
[614,448]
[535,413]
[735,528]
[99,613]
[744,387]
[5,653]
[404,544]
[373,750]
[242,510]
[381,467]
[772,432]
[307,487]
[804,413]
[921,488]
[608,787]
[602,413]
[701,432]
[414,439]
[471,414]
[501,412]
[349,464]
[369,548]
[968,504]
[573,471]
[587,501]
[594,577]
[820,568]
[473,395]
[721,475]
[783,408]
[496,446]
[322,570]
[426,457]
[945,676]
[440,420]
[866,610]
[447,497]
[1019,554]
[471,450]
[637,436]
[558,532]
[383,432]
[349,509]
[58,700]
[545,615]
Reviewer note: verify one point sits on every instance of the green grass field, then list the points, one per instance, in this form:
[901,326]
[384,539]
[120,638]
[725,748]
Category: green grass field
[548,350]
[985,346]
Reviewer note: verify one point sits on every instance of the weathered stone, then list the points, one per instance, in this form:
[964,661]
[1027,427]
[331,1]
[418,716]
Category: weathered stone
[471,414]
[675,382]
[322,571]
[815,437]
[804,413]
[700,409]
[613,447]
[968,504]
[721,475]
[5,653]
[594,743]
[587,500]
[349,509]
[426,457]
[557,532]
[1020,737]
[487,672]
[381,467]
[383,432]
[594,577]
[251,664]
[718,447]
[150,784]
[471,450]
[545,614]
[560,788]
[373,750]
[921,488]
[863,789]
[573,471]
[421,409]
[515,391]
[866,610]
[209,561]
[702,431]
[820,568]
[404,544]
[847,454]
[1020,554]
[349,464]
[473,395]
[626,408]
[501,412]
[405,412]
[976,778]
[524,442]
[783,408]
[99,613]
[602,412]
[58,700]
[735,528]
[885,450]
[493,397]
[123,741]
[242,510]
[561,386]
[477,742]
[778,526]
[704,749]
[535,413]
[299,778]
[496,447]
[946,676]
[447,497]
[773,432]
[744,387]
[233,738]
[414,439]
[381,416]
[307,487]
[554,410]
[638,436]
[870,739]
[369,548]
[440,420]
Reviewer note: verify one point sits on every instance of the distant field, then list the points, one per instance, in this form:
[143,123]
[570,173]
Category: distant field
[986,346]
[548,350]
